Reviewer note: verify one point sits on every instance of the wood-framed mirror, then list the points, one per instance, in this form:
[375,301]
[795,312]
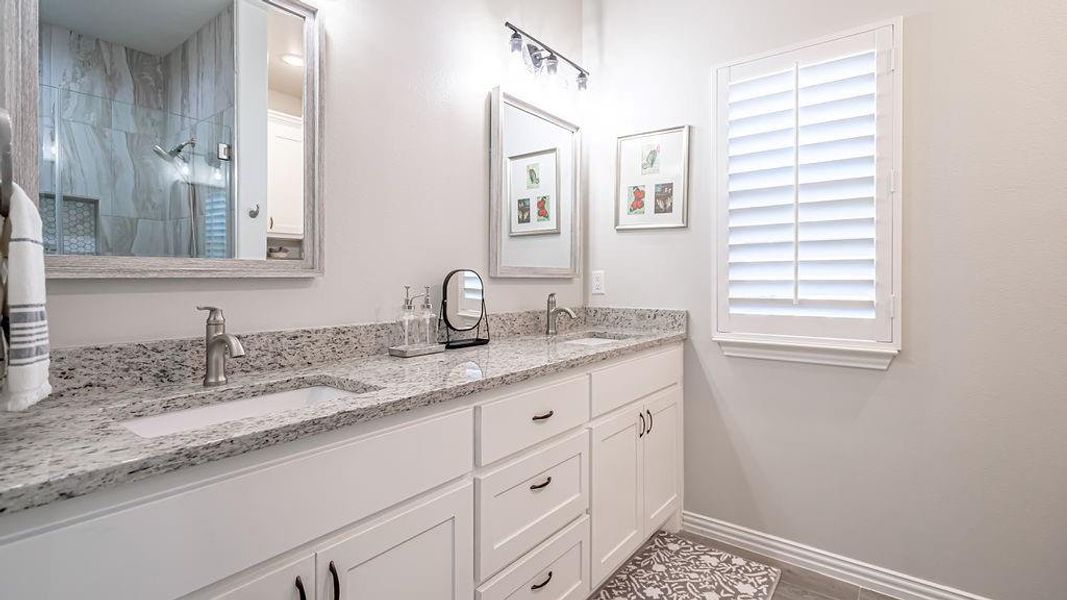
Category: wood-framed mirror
[176,138]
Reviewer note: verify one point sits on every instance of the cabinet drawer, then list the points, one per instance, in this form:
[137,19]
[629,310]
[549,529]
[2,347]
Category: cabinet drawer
[525,501]
[622,383]
[517,422]
[556,570]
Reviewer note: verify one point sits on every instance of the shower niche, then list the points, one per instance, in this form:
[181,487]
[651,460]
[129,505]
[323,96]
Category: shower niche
[160,141]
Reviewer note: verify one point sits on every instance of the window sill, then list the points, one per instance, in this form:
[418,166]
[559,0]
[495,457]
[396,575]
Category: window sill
[811,353]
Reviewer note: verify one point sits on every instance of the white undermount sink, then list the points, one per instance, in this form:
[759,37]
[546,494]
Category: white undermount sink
[190,419]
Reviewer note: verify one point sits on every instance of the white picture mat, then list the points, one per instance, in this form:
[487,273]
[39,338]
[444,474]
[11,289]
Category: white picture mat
[673,156]
[547,162]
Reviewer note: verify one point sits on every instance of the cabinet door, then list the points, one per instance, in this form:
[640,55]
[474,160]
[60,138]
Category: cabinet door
[424,551]
[292,581]
[285,175]
[615,470]
[661,458]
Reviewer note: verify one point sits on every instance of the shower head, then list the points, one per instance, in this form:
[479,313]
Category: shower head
[175,152]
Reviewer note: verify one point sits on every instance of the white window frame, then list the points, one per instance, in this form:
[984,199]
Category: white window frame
[799,345]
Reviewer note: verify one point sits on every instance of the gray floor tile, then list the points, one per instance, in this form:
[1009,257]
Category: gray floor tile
[789,591]
[871,595]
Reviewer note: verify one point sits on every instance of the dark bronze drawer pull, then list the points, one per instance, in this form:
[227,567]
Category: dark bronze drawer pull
[336,581]
[538,586]
[643,425]
[649,421]
[544,416]
[540,486]
[300,588]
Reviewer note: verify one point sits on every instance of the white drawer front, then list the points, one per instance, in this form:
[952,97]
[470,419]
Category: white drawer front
[517,422]
[527,500]
[218,529]
[556,570]
[622,383]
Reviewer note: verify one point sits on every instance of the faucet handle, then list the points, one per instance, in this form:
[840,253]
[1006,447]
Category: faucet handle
[214,315]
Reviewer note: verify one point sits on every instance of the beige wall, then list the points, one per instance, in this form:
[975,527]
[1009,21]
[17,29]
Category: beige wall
[951,466]
[406,184]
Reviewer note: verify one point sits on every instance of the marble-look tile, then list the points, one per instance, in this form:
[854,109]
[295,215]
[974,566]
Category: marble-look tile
[150,238]
[200,72]
[179,237]
[141,178]
[75,107]
[146,79]
[116,235]
[85,165]
[78,62]
[44,54]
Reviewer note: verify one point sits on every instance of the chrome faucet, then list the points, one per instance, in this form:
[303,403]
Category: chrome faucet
[217,344]
[553,313]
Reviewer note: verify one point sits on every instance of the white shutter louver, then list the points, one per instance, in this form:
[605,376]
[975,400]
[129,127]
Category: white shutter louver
[801,190]
[806,219]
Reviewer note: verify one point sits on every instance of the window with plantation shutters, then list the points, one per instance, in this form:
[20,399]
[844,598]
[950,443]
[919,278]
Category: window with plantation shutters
[808,156]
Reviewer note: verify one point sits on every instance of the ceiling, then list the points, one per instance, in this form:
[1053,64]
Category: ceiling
[285,35]
[152,26]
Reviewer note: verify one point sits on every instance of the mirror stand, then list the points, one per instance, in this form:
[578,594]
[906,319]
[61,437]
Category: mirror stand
[477,340]
[466,311]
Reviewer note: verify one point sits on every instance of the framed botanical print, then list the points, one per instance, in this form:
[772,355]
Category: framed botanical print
[652,179]
[533,192]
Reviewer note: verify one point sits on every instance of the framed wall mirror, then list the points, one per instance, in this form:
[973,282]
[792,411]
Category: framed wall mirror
[535,173]
[180,138]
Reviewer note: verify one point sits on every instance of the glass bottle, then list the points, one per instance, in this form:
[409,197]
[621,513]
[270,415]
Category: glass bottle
[407,321]
[428,320]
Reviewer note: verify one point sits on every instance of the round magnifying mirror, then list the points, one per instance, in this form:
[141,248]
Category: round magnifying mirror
[464,300]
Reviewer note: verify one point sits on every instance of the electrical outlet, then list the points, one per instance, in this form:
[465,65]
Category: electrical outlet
[597,283]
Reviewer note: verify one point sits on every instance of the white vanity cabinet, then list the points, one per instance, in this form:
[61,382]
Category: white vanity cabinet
[423,552]
[293,580]
[636,459]
[535,490]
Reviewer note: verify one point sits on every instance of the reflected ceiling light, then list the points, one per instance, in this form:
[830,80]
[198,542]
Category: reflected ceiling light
[543,58]
[294,60]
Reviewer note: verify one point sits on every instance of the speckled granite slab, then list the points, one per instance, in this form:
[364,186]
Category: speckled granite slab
[74,444]
[92,369]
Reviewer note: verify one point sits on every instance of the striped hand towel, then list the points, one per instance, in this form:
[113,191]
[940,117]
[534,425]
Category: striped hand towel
[25,322]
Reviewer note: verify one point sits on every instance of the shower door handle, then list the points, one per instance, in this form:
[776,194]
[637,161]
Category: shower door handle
[253,212]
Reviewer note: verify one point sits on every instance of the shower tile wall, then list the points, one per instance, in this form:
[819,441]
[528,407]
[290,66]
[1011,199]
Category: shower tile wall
[103,108]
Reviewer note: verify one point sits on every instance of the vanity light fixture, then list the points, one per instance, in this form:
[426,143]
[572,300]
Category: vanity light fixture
[542,57]
[294,60]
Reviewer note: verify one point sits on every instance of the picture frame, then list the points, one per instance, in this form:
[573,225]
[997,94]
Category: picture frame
[652,179]
[533,187]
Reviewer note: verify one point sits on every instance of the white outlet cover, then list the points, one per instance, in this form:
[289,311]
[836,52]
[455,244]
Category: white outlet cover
[597,283]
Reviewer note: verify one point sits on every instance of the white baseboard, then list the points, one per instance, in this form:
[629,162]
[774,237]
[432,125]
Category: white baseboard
[852,571]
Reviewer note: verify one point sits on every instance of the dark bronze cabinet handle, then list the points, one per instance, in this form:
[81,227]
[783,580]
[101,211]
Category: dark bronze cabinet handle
[539,486]
[643,425]
[300,588]
[336,581]
[538,586]
[544,416]
[649,421]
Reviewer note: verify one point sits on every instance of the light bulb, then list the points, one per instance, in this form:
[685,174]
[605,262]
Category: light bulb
[516,42]
[551,64]
[583,81]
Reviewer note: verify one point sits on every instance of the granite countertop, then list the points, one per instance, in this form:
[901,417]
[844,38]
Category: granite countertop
[72,446]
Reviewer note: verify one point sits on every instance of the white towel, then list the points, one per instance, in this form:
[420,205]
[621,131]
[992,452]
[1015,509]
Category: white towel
[26,339]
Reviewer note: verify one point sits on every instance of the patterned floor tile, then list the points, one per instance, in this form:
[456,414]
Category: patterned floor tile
[674,568]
